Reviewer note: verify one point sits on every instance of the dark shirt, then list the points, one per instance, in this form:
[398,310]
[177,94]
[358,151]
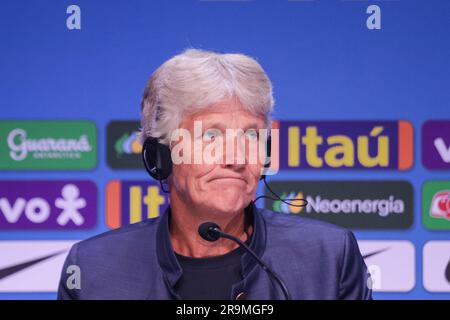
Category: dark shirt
[316,260]
[209,278]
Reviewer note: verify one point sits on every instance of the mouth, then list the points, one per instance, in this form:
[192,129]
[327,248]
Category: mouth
[231,179]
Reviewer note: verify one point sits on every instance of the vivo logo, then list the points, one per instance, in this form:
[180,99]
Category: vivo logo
[47,204]
[436,144]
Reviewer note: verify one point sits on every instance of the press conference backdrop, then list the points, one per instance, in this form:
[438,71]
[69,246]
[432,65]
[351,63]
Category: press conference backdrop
[362,104]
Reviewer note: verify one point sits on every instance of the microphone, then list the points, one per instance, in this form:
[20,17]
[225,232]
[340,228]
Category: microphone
[210,231]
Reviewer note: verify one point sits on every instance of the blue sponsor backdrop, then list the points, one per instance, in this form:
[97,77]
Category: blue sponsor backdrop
[324,62]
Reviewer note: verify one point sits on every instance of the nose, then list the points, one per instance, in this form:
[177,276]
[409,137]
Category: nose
[234,155]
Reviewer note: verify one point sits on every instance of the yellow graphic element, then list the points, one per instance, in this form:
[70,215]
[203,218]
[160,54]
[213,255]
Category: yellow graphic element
[340,149]
[136,147]
[344,148]
[294,146]
[382,157]
[152,200]
[135,204]
[293,204]
[311,140]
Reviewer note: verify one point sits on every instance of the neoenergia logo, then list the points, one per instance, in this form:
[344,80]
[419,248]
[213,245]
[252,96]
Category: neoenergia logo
[351,204]
[320,204]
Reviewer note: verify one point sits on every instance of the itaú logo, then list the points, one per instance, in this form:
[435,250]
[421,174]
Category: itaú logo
[440,205]
[342,148]
[346,145]
[20,145]
[132,201]
[319,204]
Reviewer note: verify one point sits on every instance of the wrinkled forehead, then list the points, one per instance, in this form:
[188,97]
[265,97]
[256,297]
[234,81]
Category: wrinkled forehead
[225,115]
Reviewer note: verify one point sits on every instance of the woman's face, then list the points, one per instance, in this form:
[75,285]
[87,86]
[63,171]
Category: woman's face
[226,177]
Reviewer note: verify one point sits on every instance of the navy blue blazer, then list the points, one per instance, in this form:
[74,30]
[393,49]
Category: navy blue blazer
[316,260]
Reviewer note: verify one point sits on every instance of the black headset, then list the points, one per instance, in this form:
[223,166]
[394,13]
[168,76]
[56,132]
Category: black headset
[158,161]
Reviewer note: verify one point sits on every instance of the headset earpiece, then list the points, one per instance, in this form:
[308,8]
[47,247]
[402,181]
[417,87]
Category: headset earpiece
[269,154]
[157,159]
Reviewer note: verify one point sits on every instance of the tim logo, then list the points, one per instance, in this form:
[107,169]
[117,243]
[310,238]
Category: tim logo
[48,205]
[346,145]
[436,144]
[440,205]
[133,201]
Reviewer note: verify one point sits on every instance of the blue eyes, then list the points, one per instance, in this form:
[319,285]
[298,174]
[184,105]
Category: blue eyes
[211,134]
[251,134]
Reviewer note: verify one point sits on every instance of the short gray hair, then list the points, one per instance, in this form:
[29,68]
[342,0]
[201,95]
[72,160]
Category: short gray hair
[196,79]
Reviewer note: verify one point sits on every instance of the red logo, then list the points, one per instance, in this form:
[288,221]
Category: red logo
[440,205]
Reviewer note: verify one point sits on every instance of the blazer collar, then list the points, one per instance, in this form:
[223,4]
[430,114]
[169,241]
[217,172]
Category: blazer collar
[169,264]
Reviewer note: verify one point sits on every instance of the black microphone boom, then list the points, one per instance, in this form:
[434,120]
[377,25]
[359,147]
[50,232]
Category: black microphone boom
[210,231]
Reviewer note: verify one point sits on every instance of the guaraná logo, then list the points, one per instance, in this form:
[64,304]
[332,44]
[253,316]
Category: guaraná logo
[48,145]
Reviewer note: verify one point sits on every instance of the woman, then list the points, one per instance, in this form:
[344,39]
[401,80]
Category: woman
[229,97]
